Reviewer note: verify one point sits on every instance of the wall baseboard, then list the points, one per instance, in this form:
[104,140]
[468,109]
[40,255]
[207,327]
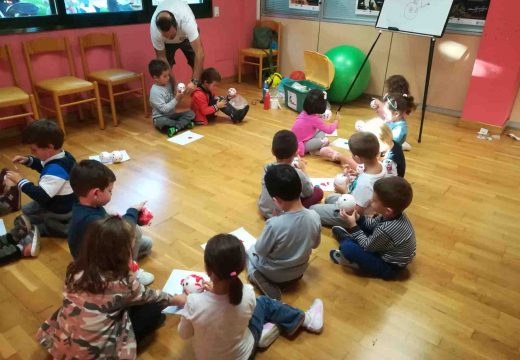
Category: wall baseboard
[513,124]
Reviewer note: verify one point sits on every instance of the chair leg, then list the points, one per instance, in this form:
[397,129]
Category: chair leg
[98,106]
[59,115]
[37,101]
[112,103]
[80,113]
[145,100]
[36,115]
[240,60]
[260,69]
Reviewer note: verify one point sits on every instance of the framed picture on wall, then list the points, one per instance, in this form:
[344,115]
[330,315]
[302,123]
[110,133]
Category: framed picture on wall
[470,12]
[312,5]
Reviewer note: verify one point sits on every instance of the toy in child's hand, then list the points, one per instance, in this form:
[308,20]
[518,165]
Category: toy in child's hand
[327,115]
[231,93]
[105,157]
[145,217]
[181,87]
[360,169]
[359,125]
[373,103]
[192,284]
[341,179]
[296,162]
[347,202]
[117,156]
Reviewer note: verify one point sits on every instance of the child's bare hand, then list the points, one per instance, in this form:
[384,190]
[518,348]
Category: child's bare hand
[302,164]
[340,188]
[179,95]
[350,219]
[19,159]
[13,176]
[208,286]
[179,300]
[222,103]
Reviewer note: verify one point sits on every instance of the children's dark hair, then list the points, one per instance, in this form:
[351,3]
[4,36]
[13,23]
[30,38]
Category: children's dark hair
[282,181]
[90,174]
[43,133]
[285,144]
[210,75]
[165,23]
[394,192]
[397,84]
[156,67]
[225,257]
[104,256]
[401,103]
[364,144]
[315,102]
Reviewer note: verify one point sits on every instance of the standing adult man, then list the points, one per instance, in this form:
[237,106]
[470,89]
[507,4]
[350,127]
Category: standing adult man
[173,27]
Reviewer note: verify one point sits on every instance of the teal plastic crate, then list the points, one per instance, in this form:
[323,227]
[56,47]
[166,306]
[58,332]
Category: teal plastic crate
[294,98]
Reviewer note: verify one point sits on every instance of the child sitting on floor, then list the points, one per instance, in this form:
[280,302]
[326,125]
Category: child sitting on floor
[205,104]
[51,208]
[226,321]
[164,101]
[309,127]
[284,148]
[384,245]
[281,253]
[105,311]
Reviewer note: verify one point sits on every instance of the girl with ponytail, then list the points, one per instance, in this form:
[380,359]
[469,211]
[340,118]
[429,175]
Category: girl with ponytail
[226,321]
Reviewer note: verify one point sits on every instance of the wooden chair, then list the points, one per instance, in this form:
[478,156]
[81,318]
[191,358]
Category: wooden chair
[13,95]
[60,86]
[256,57]
[111,77]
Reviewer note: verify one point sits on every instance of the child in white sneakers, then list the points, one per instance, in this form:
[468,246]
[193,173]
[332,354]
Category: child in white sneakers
[22,241]
[226,321]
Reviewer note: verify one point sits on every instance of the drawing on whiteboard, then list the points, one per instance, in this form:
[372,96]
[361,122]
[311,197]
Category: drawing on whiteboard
[411,9]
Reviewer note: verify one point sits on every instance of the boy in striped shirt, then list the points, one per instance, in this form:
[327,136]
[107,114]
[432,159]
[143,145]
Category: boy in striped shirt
[383,245]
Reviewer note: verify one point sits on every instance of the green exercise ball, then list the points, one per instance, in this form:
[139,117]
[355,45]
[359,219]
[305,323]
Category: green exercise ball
[347,60]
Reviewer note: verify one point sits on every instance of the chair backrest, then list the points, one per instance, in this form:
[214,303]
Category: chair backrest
[46,45]
[6,55]
[273,25]
[98,40]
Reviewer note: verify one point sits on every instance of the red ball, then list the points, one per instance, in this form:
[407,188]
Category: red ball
[145,217]
[297,75]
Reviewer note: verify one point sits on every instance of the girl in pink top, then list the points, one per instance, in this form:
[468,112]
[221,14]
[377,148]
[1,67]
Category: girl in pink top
[309,127]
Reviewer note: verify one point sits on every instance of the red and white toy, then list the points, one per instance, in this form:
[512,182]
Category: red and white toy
[181,87]
[105,157]
[145,217]
[231,93]
[347,202]
[117,156]
[192,284]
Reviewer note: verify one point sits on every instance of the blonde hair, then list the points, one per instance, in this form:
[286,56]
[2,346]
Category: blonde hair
[381,130]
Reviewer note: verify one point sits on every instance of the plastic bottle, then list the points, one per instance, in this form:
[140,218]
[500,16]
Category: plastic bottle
[265,89]
[267,100]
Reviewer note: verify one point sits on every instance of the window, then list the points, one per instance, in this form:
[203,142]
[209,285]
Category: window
[40,15]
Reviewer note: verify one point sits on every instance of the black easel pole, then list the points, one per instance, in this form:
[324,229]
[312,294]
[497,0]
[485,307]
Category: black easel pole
[359,72]
[426,85]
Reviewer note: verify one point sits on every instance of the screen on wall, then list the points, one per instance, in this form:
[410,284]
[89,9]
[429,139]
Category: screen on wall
[191,2]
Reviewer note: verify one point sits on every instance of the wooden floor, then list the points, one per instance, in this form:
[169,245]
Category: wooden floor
[462,297]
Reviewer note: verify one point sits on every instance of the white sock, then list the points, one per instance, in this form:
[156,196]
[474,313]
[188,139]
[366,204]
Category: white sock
[19,246]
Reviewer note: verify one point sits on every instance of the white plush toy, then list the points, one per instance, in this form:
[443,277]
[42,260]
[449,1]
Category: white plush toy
[192,284]
[117,156]
[327,115]
[181,87]
[373,103]
[341,179]
[231,93]
[359,125]
[105,157]
[347,202]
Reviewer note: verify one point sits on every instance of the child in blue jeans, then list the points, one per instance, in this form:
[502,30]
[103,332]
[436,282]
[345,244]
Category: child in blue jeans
[384,245]
[226,321]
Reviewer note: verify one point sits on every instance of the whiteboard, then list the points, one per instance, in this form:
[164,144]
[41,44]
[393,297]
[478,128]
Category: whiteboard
[422,17]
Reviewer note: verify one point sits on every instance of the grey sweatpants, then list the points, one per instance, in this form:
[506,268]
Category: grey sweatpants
[48,223]
[314,143]
[178,120]
[329,212]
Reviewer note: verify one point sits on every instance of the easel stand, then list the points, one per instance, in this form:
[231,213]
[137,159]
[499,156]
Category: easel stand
[426,85]
[359,71]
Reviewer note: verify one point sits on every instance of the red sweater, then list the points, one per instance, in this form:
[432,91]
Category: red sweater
[201,107]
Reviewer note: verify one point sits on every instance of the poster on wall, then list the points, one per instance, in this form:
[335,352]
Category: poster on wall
[156,2]
[469,12]
[312,5]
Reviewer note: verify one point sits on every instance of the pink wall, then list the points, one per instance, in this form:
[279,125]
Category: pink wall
[496,73]
[222,37]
